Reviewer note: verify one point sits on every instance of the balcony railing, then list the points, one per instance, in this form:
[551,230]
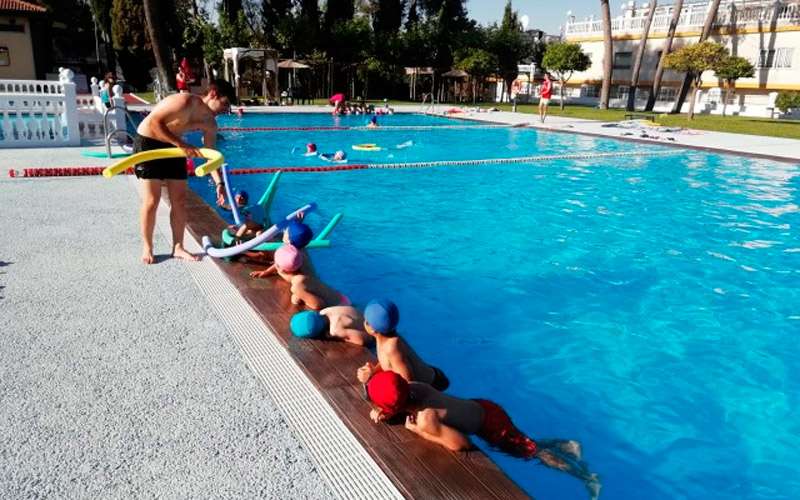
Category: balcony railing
[736,14]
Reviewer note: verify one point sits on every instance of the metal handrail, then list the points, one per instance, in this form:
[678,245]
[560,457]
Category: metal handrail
[110,133]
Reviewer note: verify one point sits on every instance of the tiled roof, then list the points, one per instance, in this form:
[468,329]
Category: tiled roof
[20,6]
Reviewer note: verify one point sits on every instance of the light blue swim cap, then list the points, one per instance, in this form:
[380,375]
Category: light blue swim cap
[383,316]
[308,324]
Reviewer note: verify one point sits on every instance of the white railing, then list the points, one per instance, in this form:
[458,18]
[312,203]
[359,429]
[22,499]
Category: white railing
[732,14]
[36,113]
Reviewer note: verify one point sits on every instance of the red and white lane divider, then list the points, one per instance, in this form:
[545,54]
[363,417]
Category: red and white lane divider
[78,171]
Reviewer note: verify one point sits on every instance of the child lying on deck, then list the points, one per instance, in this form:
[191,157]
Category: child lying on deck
[293,265]
[447,421]
[394,354]
[332,323]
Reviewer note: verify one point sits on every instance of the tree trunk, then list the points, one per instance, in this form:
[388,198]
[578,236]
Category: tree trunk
[727,97]
[155,29]
[561,93]
[687,80]
[637,65]
[673,23]
[608,58]
[694,98]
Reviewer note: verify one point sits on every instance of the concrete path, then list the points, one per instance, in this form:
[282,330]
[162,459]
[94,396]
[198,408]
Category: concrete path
[117,380]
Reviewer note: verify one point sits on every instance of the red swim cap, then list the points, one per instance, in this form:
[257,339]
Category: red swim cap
[388,391]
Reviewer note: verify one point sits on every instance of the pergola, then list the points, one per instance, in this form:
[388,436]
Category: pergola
[267,58]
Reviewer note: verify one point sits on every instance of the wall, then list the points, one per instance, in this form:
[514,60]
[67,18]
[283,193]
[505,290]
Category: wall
[20,51]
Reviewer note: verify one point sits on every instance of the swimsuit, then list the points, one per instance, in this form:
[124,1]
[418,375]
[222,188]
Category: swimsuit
[499,431]
[168,168]
[440,381]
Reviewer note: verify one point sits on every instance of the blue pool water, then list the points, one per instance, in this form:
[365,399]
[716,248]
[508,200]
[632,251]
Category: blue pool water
[646,306]
[328,120]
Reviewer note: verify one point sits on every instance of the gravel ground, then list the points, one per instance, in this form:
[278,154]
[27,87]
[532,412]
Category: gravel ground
[116,380]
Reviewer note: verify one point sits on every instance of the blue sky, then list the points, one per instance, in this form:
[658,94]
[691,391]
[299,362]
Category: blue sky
[546,15]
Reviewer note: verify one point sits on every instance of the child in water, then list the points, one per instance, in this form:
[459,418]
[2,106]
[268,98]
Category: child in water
[394,354]
[249,228]
[373,122]
[339,157]
[447,421]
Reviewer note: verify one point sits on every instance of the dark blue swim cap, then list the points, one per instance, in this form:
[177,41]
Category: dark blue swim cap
[243,194]
[307,324]
[382,315]
[299,234]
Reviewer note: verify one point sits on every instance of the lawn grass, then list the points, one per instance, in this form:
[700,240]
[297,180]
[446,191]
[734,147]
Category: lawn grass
[789,129]
[147,96]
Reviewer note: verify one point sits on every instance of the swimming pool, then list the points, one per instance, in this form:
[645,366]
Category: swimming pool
[328,120]
[647,306]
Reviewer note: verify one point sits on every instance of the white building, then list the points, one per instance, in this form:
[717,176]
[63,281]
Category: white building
[767,32]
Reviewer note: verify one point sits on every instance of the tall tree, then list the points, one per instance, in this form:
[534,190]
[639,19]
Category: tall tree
[509,45]
[608,54]
[673,23]
[307,30]
[637,64]
[278,24]
[564,59]
[711,18]
[158,40]
[412,19]
[387,16]
[338,11]
[730,69]
[696,59]
[130,41]
[230,9]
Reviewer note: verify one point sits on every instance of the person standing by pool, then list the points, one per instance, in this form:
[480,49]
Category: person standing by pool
[164,128]
[394,354]
[545,93]
[447,421]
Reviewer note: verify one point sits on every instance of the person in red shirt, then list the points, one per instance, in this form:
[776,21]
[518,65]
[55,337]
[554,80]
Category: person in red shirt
[545,93]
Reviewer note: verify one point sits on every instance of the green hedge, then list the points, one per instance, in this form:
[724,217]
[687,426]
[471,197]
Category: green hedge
[788,100]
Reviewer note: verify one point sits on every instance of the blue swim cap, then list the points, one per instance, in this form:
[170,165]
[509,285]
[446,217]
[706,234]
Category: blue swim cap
[308,324]
[243,194]
[383,316]
[299,234]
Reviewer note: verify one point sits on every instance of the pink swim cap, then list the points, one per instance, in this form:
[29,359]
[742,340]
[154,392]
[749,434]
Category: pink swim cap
[288,258]
[311,147]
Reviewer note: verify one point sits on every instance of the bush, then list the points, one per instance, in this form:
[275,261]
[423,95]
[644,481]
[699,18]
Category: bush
[787,100]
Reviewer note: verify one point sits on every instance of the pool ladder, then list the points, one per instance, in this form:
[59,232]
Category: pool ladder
[431,108]
[112,132]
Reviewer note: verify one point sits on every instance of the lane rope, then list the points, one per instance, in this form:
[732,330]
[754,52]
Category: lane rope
[79,171]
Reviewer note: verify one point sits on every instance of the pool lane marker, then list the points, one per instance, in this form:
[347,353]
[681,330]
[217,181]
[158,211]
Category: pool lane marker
[345,466]
[377,129]
[76,171]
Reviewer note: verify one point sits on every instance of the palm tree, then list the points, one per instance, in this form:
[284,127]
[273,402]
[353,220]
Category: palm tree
[673,23]
[687,80]
[637,65]
[608,58]
[155,29]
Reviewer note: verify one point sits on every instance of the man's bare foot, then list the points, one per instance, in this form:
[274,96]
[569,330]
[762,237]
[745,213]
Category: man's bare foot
[147,256]
[180,253]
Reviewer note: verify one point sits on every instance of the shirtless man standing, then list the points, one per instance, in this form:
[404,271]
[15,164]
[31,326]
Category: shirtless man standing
[164,128]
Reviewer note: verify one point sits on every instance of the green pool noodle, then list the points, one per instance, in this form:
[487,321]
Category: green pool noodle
[271,246]
[266,199]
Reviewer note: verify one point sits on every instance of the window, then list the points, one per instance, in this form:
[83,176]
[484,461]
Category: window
[591,91]
[667,93]
[778,58]
[620,92]
[5,59]
[622,60]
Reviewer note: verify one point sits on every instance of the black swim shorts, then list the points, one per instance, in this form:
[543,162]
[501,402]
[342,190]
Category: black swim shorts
[166,169]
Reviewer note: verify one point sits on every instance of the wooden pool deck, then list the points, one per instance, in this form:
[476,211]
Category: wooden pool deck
[419,469]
